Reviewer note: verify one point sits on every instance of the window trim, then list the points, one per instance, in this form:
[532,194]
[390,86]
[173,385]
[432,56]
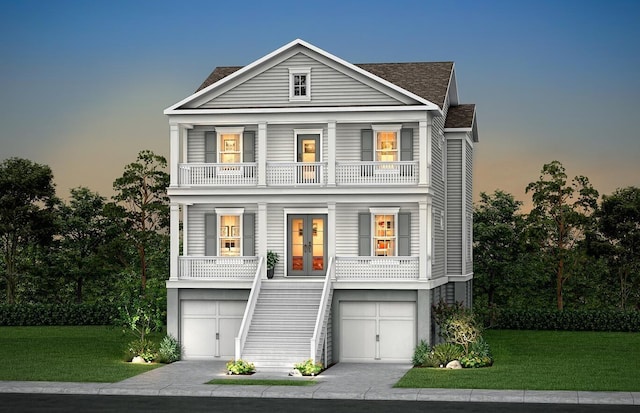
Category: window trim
[395,128]
[384,211]
[228,131]
[297,132]
[293,72]
[220,212]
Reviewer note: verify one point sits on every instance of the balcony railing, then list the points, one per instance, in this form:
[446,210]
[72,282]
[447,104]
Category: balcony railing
[218,174]
[296,173]
[376,173]
[377,268]
[217,268]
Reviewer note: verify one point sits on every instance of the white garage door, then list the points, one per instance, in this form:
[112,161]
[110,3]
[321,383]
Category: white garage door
[209,328]
[377,331]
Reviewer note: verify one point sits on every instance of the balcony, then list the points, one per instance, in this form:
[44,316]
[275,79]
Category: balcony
[346,268]
[298,174]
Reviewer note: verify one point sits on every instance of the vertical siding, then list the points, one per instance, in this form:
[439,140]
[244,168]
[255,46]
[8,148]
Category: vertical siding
[328,87]
[195,226]
[438,182]
[454,207]
[469,207]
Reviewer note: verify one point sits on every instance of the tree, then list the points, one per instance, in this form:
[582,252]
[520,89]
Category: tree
[84,232]
[142,202]
[497,231]
[562,213]
[619,223]
[27,200]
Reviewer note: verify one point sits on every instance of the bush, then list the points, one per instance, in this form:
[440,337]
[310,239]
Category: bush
[308,367]
[58,314]
[421,353]
[571,320]
[240,367]
[443,353]
[169,350]
[141,347]
[479,355]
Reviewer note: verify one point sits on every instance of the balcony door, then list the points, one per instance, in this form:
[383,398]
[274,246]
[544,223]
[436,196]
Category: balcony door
[308,153]
[307,245]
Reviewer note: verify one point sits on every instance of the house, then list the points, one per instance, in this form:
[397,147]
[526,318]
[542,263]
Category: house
[359,176]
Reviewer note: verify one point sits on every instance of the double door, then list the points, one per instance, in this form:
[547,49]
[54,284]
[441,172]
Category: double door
[307,245]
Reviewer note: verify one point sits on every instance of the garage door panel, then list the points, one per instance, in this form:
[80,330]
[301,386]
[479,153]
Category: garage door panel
[397,339]
[232,308]
[397,310]
[358,309]
[358,340]
[199,308]
[229,328]
[198,337]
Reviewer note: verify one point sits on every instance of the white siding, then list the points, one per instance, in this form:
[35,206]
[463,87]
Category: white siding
[195,141]
[438,182]
[328,87]
[281,143]
[195,227]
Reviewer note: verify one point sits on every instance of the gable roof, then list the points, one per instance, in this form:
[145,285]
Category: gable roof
[462,118]
[429,80]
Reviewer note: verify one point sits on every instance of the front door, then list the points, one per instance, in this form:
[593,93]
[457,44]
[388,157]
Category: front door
[308,153]
[307,249]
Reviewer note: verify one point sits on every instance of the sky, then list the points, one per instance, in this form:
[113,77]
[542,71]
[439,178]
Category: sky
[83,85]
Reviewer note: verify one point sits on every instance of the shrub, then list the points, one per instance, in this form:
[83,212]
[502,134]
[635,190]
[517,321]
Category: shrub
[443,353]
[479,355]
[462,329]
[68,314]
[240,367]
[421,353]
[572,320]
[308,367]
[141,347]
[169,350]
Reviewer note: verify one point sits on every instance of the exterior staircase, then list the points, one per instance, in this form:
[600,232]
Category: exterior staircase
[282,324]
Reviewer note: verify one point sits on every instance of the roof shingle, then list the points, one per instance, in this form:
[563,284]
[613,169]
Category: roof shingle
[460,116]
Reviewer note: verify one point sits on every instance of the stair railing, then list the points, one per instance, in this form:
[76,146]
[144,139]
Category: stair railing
[248,311]
[321,319]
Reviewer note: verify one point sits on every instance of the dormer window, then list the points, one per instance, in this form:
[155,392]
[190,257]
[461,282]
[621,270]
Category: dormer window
[300,84]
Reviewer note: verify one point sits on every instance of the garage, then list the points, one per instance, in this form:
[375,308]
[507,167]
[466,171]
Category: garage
[377,331]
[209,328]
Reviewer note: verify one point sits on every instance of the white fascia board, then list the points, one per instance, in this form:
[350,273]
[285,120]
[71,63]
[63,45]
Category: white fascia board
[304,109]
[456,130]
[240,72]
[452,88]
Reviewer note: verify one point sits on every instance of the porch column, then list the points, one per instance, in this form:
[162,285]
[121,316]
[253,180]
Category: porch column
[424,137]
[425,240]
[331,162]
[185,229]
[331,231]
[262,236]
[174,243]
[262,156]
[174,152]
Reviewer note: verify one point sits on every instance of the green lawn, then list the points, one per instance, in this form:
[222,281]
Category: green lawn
[80,354]
[545,360]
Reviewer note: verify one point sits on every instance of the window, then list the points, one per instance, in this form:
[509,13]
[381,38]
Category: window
[300,84]
[229,145]
[229,231]
[385,231]
[386,143]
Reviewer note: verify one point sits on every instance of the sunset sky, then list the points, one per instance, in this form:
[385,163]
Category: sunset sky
[83,83]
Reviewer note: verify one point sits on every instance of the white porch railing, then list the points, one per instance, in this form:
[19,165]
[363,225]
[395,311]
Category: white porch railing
[217,268]
[248,311]
[218,174]
[296,173]
[320,330]
[375,173]
[377,268]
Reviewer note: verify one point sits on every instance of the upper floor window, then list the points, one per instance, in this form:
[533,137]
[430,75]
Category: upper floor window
[230,232]
[229,145]
[300,84]
[386,142]
[385,232]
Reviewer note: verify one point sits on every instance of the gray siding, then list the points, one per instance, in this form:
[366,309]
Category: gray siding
[195,141]
[346,237]
[454,207]
[469,208]
[281,142]
[196,227]
[328,87]
[438,268]
[348,140]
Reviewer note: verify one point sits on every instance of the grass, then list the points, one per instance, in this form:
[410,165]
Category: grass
[545,360]
[262,382]
[79,354]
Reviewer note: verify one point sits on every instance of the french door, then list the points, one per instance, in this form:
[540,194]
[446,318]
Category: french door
[307,245]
